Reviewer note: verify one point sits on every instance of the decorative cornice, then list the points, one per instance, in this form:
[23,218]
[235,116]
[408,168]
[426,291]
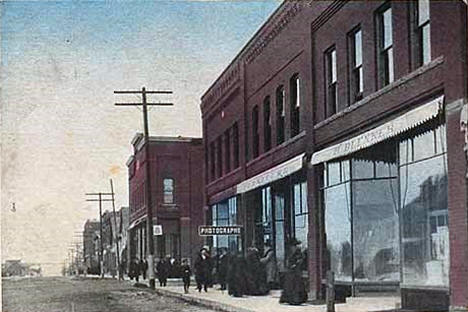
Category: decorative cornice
[224,82]
[327,14]
[279,23]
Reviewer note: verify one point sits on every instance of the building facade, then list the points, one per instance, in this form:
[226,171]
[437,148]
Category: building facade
[91,247]
[338,124]
[176,165]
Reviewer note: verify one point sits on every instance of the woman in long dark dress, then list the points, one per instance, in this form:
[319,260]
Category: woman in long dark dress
[236,275]
[294,291]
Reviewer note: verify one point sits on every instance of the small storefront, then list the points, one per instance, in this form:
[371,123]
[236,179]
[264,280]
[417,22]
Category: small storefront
[384,198]
[222,214]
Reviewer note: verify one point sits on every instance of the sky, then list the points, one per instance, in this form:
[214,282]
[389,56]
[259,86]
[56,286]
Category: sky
[61,134]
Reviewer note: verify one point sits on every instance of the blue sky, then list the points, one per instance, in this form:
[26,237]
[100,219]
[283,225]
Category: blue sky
[61,134]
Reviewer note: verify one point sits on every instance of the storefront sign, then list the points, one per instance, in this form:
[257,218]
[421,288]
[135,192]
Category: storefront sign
[276,173]
[209,230]
[157,230]
[390,129]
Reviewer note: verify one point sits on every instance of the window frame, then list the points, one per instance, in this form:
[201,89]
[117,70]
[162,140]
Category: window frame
[227,149]
[267,123]
[331,81]
[419,29]
[255,134]
[280,114]
[295,104]
[235,143]
[171,192]
[385,59]
[356,71]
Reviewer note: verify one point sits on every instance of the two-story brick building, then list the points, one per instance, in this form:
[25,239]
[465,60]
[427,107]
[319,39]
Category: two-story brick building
[338,124]
[176,165]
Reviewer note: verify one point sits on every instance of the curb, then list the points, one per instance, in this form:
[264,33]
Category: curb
[211,304]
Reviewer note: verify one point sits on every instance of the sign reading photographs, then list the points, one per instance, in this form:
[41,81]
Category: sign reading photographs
[209,230]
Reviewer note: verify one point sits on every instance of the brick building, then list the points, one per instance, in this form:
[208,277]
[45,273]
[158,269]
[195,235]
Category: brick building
[91,254]
[177,185]
[338,124]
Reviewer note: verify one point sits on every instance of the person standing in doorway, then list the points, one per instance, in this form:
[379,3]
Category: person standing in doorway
[269,262]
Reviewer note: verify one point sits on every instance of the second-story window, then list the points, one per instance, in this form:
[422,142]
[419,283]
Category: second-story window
[295,102]
[280,114]
[255,135]
[219,156]
[356,85]
[212,161]
[227,149]
[235,143]
[422,32]
[267,123]
[385,46]
[331,79]
[168,191]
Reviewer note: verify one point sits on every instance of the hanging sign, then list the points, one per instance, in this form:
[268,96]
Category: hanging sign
[211,230]
[157,230]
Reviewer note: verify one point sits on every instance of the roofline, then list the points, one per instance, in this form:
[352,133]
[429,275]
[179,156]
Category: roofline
[245,47]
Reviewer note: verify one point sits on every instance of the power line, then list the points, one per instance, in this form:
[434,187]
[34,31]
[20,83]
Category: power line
[149,213]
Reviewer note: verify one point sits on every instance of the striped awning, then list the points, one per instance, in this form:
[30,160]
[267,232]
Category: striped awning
[392,128]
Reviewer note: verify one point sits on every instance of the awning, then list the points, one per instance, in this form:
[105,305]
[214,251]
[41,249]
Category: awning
[136,222]
[390,129]
[276,173]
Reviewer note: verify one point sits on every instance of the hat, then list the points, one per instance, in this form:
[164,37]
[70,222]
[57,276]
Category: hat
[294,242]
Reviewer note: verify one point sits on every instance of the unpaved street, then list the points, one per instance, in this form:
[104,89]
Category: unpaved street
[63,294]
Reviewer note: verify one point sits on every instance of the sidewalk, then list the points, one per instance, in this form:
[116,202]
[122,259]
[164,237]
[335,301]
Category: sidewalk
[221,301]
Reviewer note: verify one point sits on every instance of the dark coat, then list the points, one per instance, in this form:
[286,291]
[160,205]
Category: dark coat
[294,291]
[133,270]
[143,266]
[255,274]
[203,269]
[163,267]
[222,268]
[236,276]
[185,271]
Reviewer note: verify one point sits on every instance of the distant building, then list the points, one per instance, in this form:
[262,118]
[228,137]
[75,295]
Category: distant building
[18,268]
[177,189]
[91,256]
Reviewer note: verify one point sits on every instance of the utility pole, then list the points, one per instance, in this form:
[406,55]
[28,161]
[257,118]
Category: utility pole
[149,202]
[115,231]
[100,200]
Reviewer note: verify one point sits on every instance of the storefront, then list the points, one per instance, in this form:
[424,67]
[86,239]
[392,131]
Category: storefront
[225,213]
[275,204]
[384,197]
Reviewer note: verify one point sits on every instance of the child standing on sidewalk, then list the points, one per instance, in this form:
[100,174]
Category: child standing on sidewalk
[186,272]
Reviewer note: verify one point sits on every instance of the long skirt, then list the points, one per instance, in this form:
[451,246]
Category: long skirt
[294,291]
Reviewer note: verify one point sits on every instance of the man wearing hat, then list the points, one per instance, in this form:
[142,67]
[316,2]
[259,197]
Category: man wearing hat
[202,268]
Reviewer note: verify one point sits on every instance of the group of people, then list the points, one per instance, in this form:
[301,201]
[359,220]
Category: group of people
[137,268]
[254,274]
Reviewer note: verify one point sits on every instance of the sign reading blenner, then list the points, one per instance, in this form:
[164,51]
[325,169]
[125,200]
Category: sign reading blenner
[209,230]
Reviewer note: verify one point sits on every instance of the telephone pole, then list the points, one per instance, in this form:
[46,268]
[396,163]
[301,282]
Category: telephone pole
[101,249]
[149,202]
[115,231]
